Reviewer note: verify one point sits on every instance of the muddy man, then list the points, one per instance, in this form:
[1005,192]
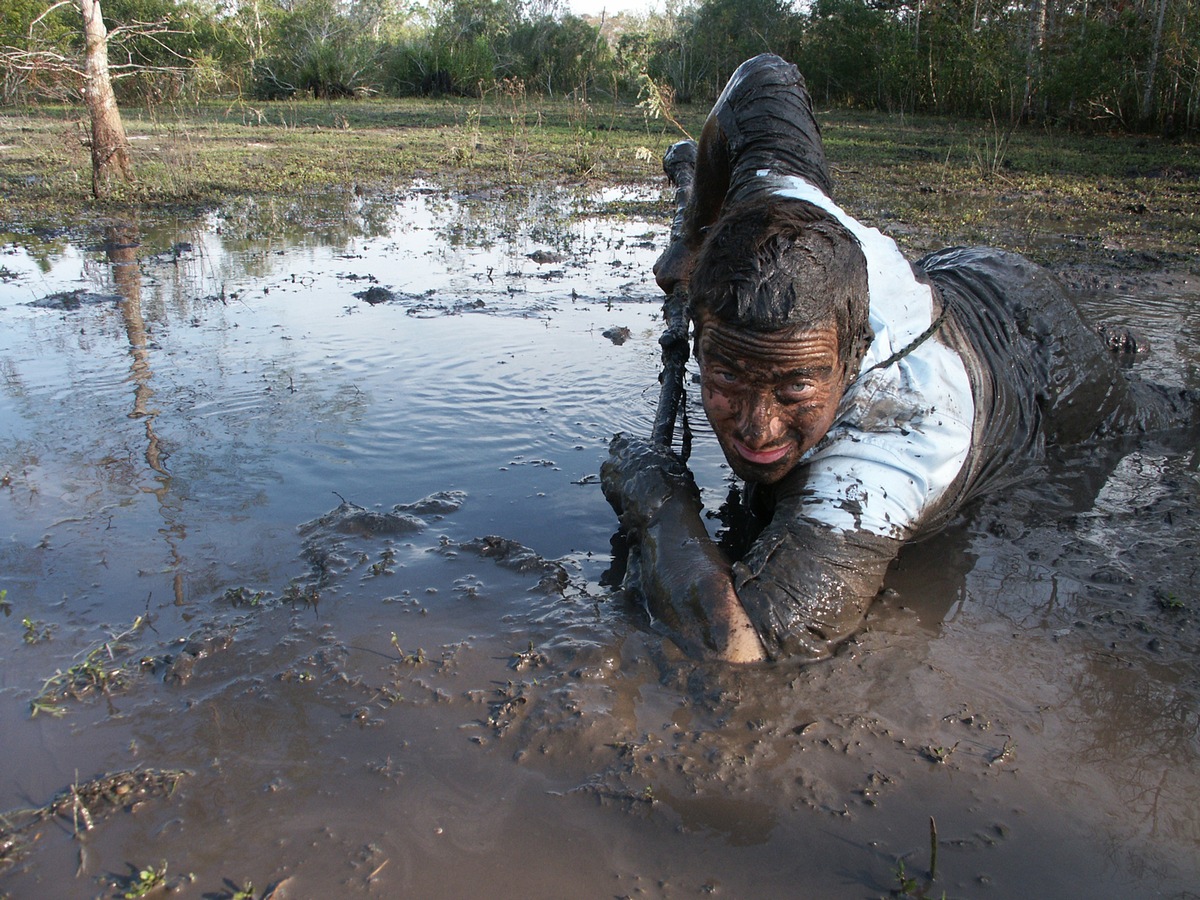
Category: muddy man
[863,399]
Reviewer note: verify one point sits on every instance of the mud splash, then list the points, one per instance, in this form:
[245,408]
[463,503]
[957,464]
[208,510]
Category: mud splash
[362,544]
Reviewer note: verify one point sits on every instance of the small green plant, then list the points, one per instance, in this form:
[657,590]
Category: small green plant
[383,566]
[910,886]
[146,881]
[245,892]
[306,596]
[412,659]
[36,630]
[933,847]
[906,885]
[41,706]
[939,754]
[98,671]
[241,596]
[5,605]
[1170,602]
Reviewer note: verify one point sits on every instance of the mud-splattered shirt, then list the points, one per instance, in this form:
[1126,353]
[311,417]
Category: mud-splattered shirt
[902,431]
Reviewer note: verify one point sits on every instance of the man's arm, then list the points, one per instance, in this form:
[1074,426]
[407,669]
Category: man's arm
[806,586]
[679,570]
[689,585]
[763,120]
[705,195]
[803,587]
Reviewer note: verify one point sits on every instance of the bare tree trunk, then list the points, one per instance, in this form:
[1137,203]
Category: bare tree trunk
[1033,54]
[110,147]
[1152,68]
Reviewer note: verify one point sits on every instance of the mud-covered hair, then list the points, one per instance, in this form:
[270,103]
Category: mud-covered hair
[783,263]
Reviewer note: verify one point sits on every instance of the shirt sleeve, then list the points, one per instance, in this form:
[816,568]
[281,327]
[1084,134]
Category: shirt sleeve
[806,587]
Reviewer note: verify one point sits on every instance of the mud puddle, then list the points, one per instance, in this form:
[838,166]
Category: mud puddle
[305,515]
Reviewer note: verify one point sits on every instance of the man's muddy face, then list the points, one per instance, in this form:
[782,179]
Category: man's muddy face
[770,397]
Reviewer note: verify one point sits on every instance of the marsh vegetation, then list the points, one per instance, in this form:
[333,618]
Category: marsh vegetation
[1129,201]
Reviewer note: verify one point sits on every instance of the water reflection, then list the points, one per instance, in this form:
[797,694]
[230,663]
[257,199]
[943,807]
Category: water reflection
[121,245]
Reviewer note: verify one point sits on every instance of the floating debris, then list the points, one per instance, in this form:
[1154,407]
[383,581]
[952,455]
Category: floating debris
[73,300]
[519,558]
[352,519]
[375,295]
[618,334]
[85,804]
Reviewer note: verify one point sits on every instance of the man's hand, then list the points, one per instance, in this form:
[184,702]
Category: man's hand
[673,563]
[639,477]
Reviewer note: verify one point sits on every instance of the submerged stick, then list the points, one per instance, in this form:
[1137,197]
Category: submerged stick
[933,845]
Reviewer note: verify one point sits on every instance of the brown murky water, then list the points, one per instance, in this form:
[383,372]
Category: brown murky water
[213,471]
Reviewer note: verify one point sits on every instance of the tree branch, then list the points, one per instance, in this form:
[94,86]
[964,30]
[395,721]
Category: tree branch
[52,8]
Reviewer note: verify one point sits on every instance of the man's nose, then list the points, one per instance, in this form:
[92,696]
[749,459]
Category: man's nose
[761,424]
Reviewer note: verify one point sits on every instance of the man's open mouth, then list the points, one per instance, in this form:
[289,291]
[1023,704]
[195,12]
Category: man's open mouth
[767,457]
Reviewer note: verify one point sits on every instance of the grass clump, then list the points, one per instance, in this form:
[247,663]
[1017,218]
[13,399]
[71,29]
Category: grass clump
[102,669]
[83,805]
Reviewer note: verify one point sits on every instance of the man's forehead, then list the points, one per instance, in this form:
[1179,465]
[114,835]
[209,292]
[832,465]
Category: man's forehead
[798,345]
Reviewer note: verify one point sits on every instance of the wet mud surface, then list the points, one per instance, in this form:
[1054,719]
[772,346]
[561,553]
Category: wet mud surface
[303,591]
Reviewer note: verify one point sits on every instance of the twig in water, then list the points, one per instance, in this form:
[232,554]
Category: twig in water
[933,845]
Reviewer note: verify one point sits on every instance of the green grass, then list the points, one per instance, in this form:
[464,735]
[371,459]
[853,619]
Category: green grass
[147,881]
[1052,195]
[200,154]
[1055,196]
[102,669]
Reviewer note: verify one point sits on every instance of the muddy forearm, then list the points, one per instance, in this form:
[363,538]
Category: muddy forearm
[701,176]
[688,585]
[807,587]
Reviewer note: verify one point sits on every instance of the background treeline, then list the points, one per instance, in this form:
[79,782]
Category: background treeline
[1131,64]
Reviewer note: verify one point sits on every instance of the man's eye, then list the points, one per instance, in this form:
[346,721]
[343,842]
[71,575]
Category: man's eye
[796,391]
[725,377]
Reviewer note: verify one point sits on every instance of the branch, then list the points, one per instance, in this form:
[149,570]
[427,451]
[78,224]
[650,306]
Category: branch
[150,31]
[138,28]
[52,8]
[38,60]
[124,70]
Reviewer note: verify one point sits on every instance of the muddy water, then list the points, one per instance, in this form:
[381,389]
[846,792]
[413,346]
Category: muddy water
[252,495]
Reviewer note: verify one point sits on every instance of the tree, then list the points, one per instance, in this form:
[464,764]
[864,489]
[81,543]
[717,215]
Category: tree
[328,48]
[110,146]
[558,55]
[728,32]
[847,58]
[58,60]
